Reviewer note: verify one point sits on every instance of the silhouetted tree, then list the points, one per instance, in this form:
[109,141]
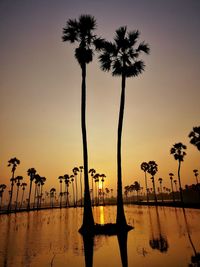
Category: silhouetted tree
[60,181]
[195,137]
[178,151]
[2,188]
[92,172]
[72,180]
[171,180]
[153,168]
[13,162]
[96,179]
[121,57]
[75,172]
[23,185]
[161,191]
[144,166]
[103,176]
[196,175]
[31,173]
[81,170]
[17,181]
[52,196]
[81,31]
[67,181]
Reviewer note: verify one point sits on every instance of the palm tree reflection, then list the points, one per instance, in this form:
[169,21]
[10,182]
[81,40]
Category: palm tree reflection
[195,259]
[158,239]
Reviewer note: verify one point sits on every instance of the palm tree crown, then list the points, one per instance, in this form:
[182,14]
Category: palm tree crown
[195,137]
[121,56]
[178,151]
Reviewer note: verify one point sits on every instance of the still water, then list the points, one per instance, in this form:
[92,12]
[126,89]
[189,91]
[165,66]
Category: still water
[161,237]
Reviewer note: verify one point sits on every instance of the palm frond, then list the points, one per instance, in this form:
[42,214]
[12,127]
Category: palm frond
[143,47]
[133,36]
[105,61]
[117,68]
[135,69]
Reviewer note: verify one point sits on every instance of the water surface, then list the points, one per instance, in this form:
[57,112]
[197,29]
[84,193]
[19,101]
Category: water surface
[161,236]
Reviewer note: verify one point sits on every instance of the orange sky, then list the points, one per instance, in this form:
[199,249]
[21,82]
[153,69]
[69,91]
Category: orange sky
[40,90]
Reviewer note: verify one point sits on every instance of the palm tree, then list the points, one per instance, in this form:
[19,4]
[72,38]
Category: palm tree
[144,166]
[195,137]
[103,176]
[13,162]
[52,195]
[60,181]
[75,172]
[81,170]
[36,194]
[171,179]
[42,181]
[67,181]
[31,173]
[153,168]
[178,151]
[92,171]
[121,57]
[137,188]
[81,31]
[196,175]
[160,181]
[72,180]
[2,188]
[17,181]
[96,180]
[23,185]
[175,182]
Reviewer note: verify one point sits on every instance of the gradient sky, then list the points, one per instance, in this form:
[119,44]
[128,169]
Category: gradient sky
[40,89]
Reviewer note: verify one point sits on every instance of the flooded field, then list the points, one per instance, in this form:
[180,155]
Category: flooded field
[161,237]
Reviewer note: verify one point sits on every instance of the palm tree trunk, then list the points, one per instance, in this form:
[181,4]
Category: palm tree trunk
[22,199]
[11,193]
[172,191]
[60,195]
[81,187]
[17,198]
[76,190]
[146,186]
[29,197]
[179,180]
[154,189]
[88,220]
[73,194]
[121,219]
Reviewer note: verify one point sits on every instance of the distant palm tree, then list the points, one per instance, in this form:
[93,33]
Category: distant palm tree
[81,170]
[75,172]
[13,162]
[137,188]
[60,181]
[2,188]
[42,181]
[72,180]
[103,176]
[121,57]
[144,166]
[17,181]
[195,137]
[31,173]
[196,175]
[178,151]
[96,179]
[92,172]
[175,182]
[153,168]
[23,185]
[161,191]
[81,31]
[171,179]
[67,181]
[36,193]
[52,196]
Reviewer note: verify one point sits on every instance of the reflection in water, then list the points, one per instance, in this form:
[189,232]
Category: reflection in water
[158,239]
[50,238]
[195,259]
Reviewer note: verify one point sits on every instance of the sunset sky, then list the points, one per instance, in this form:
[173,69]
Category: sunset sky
[40,89]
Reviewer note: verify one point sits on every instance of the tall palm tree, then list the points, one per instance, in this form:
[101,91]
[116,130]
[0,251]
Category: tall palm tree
[161,191]
[137,188]
[103,176]
[17,181]
[60,181]
[195,137]
[36,193]
[178,151]
[81,31]
[144,166]
[92,172]
[2,188]
[23,185]
[153,168]
[31,173]
[96,180]
[121,57]
[42,182]
[52,196]
[13,162]
[75,172]
[81,170]
[171,179]
[175,182]
[196,175]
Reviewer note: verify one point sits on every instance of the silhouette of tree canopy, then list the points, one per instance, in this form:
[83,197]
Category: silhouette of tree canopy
[195,137]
